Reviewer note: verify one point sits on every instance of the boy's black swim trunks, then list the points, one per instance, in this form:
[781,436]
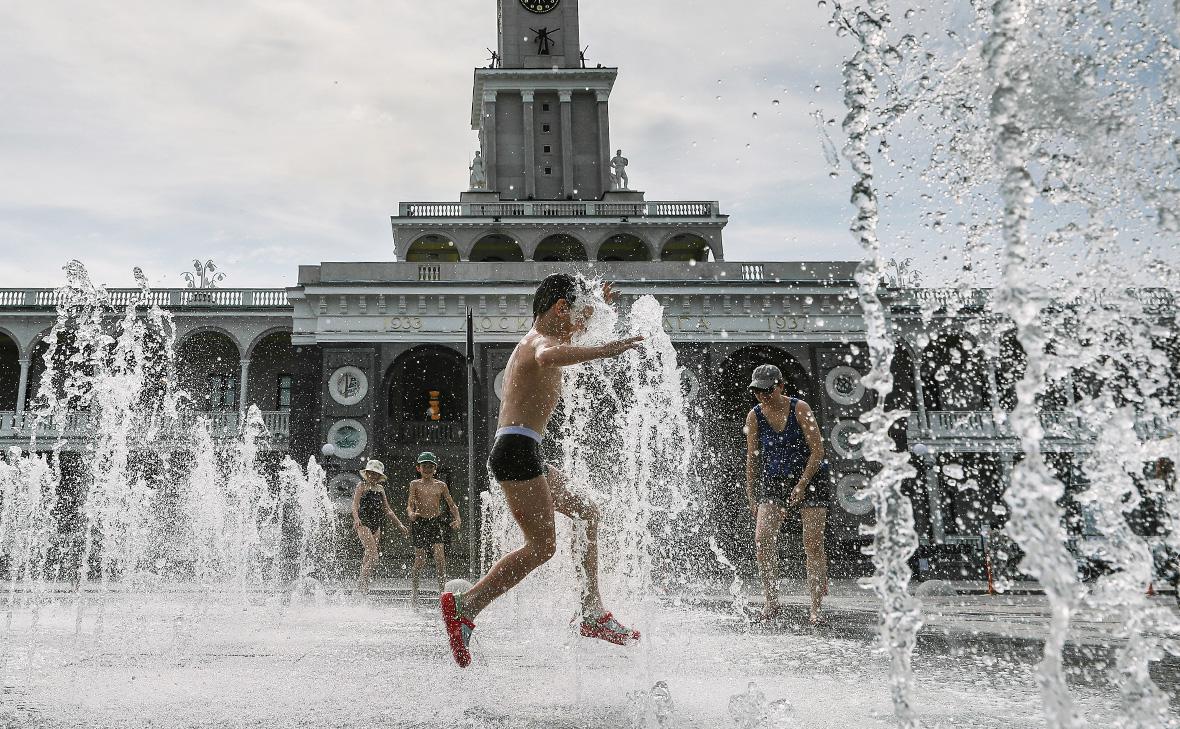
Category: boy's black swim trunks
[515,457]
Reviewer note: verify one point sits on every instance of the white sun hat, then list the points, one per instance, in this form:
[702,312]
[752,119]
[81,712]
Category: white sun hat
[376,468]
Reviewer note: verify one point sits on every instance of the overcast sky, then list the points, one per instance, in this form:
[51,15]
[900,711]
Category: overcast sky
[267,134]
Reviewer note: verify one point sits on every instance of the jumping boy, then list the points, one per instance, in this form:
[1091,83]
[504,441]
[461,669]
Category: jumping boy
[533,489]
[428,523]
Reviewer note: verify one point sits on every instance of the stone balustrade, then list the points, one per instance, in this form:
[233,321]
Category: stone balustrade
[561,209]
[166,298]
[77,426]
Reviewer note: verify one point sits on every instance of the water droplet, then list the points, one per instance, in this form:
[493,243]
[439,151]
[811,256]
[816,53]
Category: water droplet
[774,102]
[817,87]
[753,115]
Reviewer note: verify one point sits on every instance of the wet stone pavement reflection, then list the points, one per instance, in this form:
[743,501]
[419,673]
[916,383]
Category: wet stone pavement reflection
[161,661]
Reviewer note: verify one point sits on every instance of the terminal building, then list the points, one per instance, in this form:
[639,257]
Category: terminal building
[371,356]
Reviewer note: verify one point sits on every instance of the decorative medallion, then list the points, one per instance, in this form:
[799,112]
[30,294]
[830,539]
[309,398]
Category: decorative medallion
[498,385]
[340,490]
[844,386]
[846,490]
[348,385]
[842,434]
[349,437]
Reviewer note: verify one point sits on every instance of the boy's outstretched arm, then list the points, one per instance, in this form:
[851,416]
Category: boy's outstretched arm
[564,355]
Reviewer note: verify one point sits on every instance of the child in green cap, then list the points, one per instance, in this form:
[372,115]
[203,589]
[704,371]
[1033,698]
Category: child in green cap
[428,523]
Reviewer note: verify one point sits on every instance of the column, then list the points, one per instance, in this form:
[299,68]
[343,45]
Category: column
[489,126]
[24,385]
[933,494]
[242,386]
[567,142]
[530,146]
[604,154]
[919,393]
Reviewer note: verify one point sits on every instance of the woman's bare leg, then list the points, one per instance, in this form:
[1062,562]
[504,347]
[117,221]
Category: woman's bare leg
[814,521]
[369,540]
[585,515]
[770,521]
[531,504]
[440,564]
[415,572]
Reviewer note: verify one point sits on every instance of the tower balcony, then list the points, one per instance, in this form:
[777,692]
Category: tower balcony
[626,230]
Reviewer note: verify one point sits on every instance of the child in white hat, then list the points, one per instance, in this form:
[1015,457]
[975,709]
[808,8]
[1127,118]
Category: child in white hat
[370,506]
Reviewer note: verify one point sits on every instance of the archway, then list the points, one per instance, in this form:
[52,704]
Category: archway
[208,366]
[427,396]
[624,247]
[270,381]
[685,247]
[731,396]
[954,375]
[494,248]
[729,401]
[9,372]
[560,247]
[433,248]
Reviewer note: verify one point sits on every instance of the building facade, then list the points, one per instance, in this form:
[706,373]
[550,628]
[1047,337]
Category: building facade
[372,357]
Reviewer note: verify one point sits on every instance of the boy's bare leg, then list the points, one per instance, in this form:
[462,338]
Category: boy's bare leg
[816,558]
[440,565]
[531,504]
[415,572]
[585,515]
[770,521]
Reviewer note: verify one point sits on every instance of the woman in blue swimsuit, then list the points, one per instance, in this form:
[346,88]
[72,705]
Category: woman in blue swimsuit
[785,468]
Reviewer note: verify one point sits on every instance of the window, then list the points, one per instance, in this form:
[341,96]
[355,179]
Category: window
[544,107]
[545,128]
[549,170]
[548,149]
[222,392]
[283,394]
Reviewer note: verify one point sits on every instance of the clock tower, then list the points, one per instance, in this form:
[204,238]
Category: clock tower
[544,130]
[538,33]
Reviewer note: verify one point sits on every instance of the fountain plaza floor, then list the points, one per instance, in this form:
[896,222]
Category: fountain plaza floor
[161,661]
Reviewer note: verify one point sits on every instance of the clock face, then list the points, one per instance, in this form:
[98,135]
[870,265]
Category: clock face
[539,6]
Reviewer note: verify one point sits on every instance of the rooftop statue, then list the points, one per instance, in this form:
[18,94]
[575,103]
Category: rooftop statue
[618,177]
[479,177]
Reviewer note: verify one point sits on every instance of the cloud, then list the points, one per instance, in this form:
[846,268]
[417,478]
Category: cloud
[267,134]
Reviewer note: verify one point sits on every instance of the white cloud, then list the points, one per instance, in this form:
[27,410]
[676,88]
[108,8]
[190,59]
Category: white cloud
[267,134]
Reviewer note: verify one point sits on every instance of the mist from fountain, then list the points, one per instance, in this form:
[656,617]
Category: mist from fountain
[1043,138]
[160,500]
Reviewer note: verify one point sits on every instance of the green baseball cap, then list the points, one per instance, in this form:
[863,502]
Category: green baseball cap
[427,457]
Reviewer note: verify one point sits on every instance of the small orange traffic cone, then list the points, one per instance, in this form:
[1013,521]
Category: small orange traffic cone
[1150,590]
[991,586]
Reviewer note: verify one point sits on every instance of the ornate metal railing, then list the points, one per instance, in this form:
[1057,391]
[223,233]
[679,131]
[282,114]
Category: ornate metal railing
[425,433]
[560,209]
[215,298]
[986,424]
[79,425]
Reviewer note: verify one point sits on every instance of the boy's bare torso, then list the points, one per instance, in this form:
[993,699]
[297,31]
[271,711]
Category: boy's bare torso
[531,392]
[427,495]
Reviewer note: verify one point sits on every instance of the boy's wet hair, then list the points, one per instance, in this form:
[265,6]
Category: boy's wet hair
[554,288]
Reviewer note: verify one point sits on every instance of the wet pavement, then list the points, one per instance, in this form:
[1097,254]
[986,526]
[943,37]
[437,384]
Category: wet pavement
[167,660]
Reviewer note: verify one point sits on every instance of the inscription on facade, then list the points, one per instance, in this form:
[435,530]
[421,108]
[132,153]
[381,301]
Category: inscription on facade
[687,325]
